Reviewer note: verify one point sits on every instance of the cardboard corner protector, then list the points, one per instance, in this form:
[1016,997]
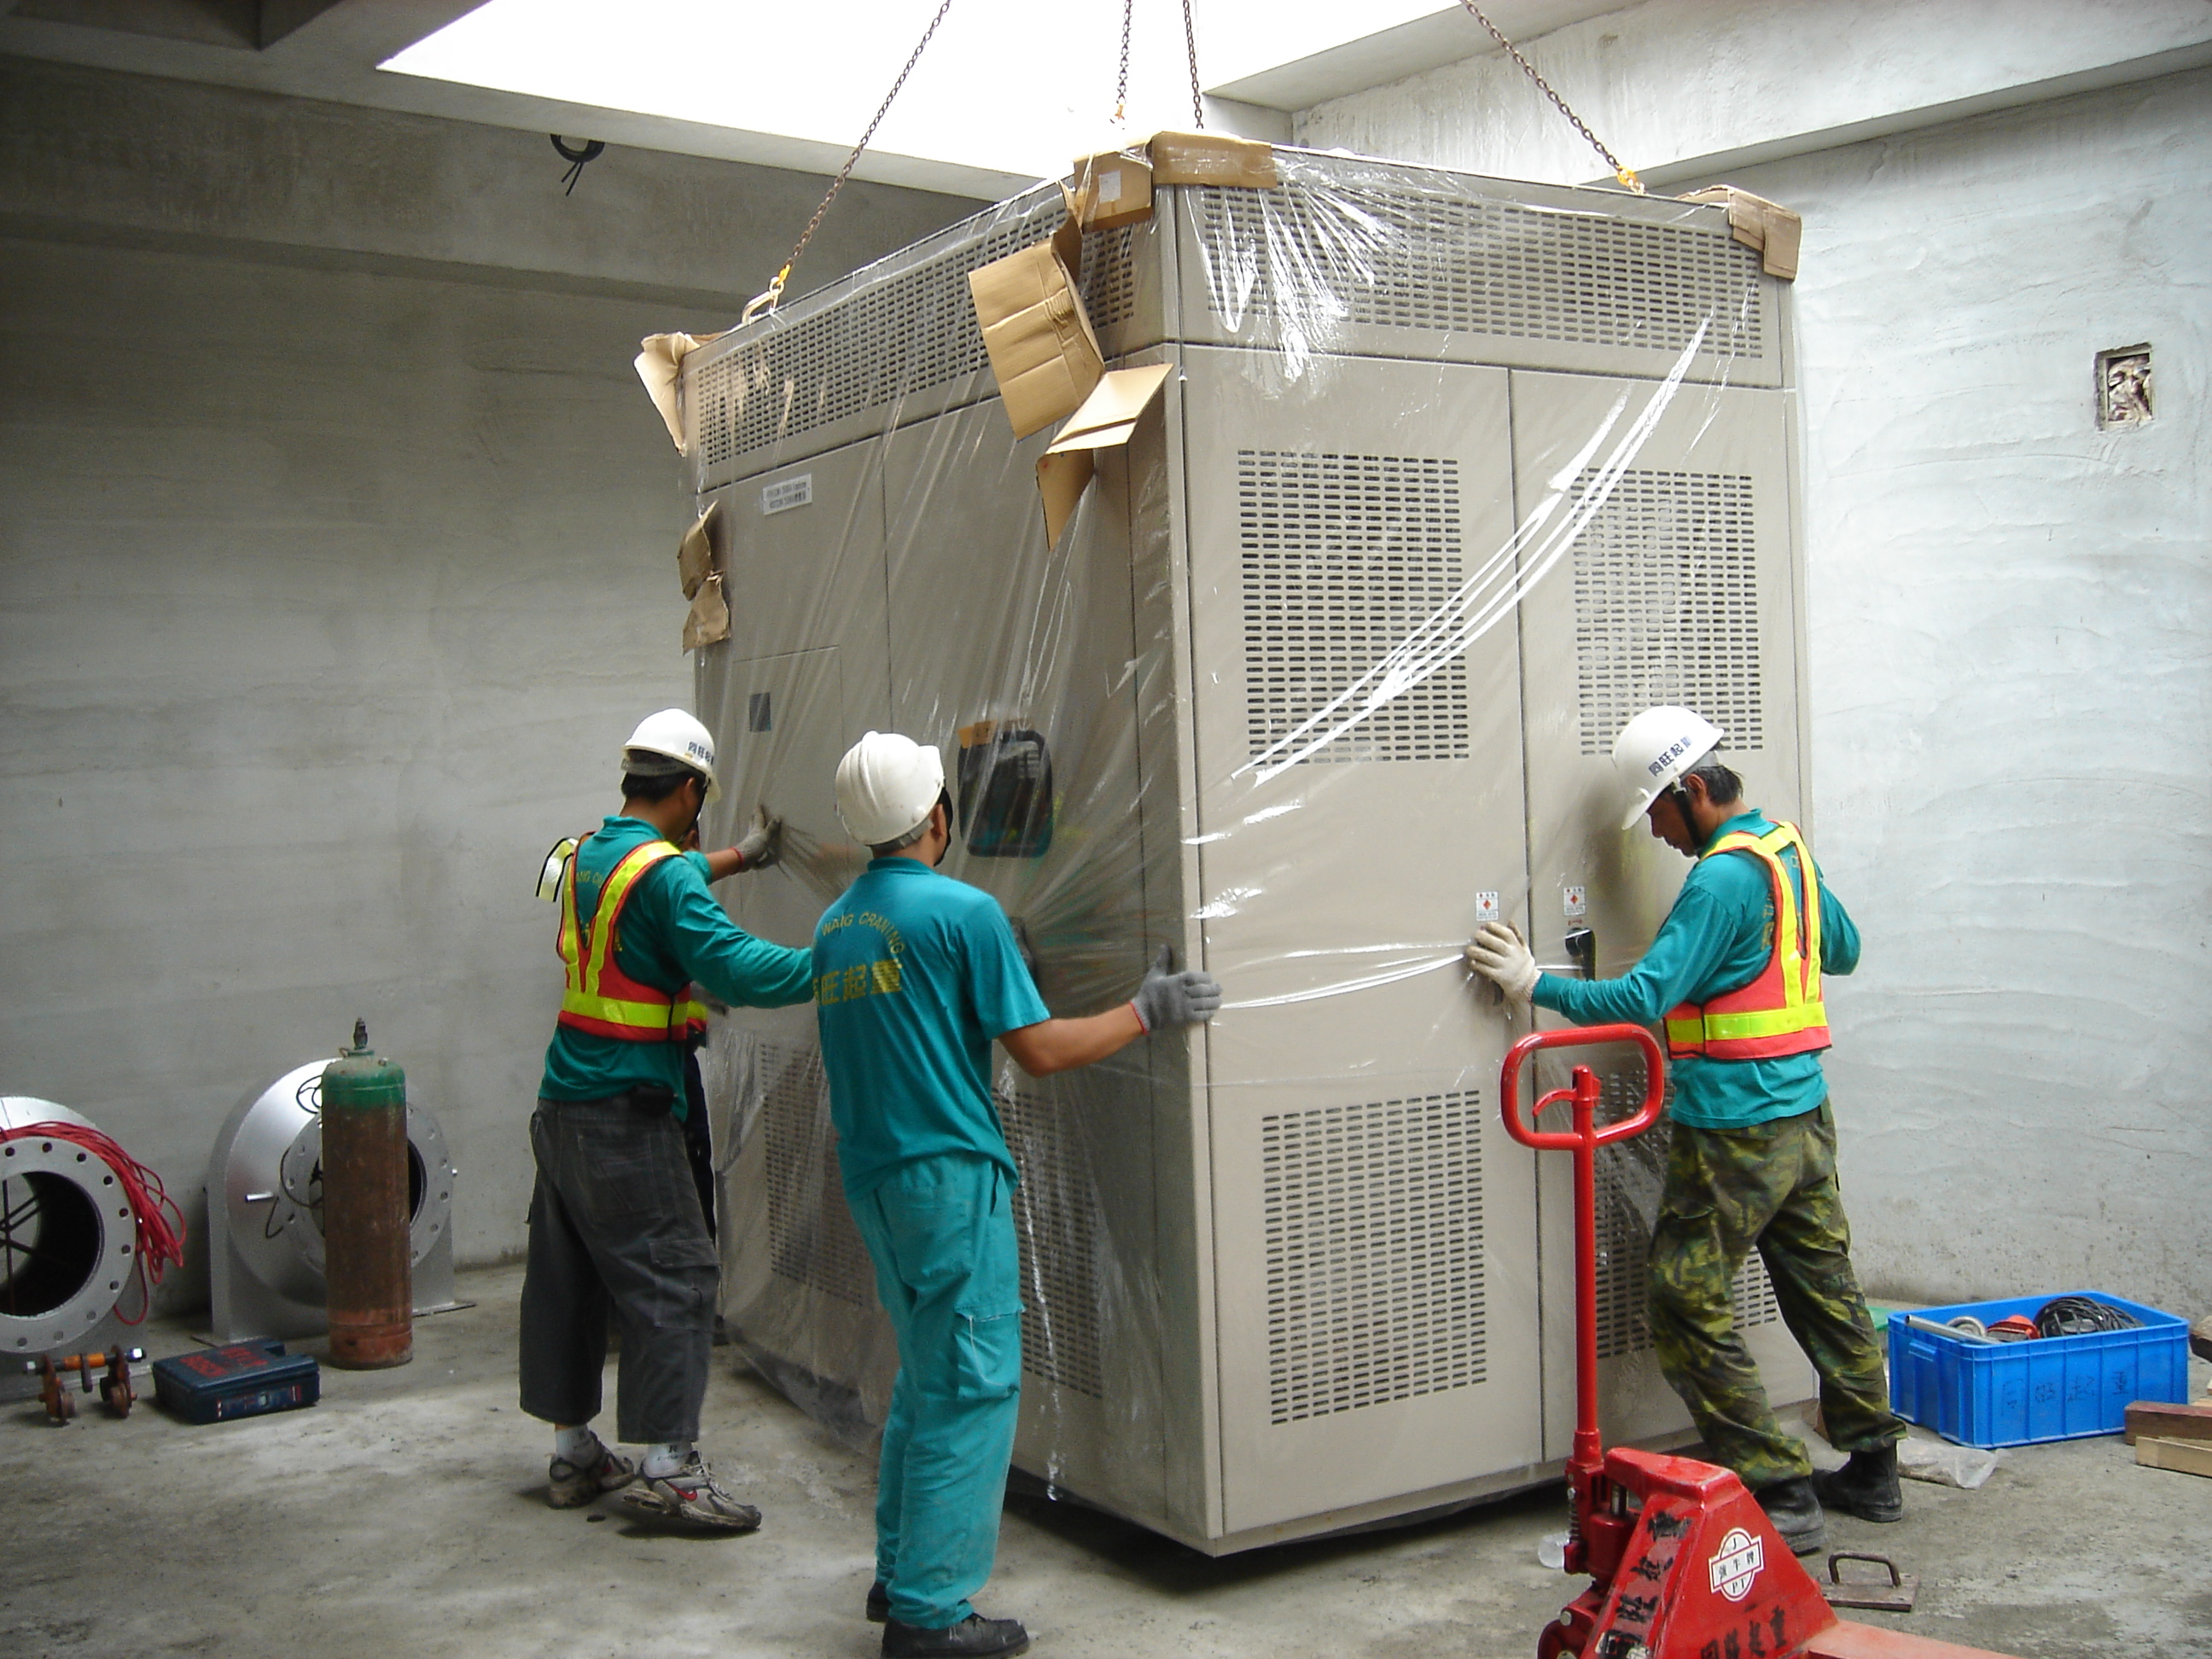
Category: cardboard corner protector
[695,554]
[1775,233]
[1211,158]
[1118,190]
[1043,355]
[708,621]
[659,364]
[1108,416]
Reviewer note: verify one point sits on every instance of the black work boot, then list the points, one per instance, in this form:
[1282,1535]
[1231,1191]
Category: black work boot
[1795,1513]
[973,1638]
[1866,1486]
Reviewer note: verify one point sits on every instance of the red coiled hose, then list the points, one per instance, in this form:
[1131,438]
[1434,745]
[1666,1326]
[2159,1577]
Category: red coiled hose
[159,1222]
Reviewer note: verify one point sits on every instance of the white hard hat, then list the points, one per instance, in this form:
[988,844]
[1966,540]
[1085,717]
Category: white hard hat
[1655,749]
[671,735]
[886,785]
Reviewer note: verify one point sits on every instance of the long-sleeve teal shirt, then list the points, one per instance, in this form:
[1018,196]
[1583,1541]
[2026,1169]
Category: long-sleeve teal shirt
[673,932]
[1716,939]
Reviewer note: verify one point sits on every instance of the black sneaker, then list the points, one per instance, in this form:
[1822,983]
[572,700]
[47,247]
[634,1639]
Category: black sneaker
[879,1602]
[973,1638]
[1796,1512]
[1866,1486]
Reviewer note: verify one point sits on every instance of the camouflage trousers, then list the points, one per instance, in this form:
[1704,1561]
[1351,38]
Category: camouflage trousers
[1771,1187]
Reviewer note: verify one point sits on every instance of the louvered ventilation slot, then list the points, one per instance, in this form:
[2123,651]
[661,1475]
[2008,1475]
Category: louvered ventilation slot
[1055,1222]
[1667,605]
[1402,259]
[1630,1175]
[1110,278]
[891,339]
[1344,556]
[811,1238]
[1374,1253]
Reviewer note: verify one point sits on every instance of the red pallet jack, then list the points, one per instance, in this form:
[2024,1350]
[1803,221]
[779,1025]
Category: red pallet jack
[1683,1563]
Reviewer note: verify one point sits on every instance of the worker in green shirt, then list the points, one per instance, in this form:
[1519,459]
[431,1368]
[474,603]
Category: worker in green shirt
[615,1223]
[1735,974]
[917,974]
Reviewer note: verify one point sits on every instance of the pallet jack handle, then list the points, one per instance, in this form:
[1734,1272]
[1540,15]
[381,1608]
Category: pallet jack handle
[1586,1465]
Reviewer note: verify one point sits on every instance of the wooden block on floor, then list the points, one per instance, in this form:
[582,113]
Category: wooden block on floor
[2172,1421]
[2189,1457]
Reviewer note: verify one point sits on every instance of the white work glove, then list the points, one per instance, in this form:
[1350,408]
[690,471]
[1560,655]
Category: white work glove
[1501,956]
[762,844]
[1167,998]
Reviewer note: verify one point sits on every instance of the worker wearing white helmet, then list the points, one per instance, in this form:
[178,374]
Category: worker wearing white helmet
[1735,974]
[915,974]
[615,1223]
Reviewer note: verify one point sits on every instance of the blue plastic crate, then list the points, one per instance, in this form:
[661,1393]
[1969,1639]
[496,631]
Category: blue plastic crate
[2017,1394]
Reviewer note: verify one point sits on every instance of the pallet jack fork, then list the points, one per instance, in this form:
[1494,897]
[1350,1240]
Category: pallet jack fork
[1683,1563]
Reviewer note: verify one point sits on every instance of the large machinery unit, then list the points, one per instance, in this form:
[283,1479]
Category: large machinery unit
[1450,478]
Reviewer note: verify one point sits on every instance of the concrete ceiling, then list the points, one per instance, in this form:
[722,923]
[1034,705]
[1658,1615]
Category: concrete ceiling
[1004,94]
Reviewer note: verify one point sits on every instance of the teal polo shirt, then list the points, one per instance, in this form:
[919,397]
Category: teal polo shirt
[915,973]
[1715,939]
[674,931]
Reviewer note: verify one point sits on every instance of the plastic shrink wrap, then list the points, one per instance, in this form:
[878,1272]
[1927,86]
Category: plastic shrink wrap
[1448,476]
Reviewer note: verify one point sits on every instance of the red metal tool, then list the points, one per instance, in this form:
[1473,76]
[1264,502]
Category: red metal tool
[1682,1561]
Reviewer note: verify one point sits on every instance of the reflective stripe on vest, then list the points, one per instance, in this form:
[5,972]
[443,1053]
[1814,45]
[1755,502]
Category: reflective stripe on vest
[1780,1011]
[600,998]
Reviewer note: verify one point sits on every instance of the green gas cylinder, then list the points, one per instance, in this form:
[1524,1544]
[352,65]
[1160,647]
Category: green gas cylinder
[365,1218]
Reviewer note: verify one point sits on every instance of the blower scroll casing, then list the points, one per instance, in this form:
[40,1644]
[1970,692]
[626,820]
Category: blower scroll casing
[68,1241]
[266,1258]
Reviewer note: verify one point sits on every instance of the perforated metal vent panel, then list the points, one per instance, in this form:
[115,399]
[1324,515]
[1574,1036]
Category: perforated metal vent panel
[811,1238]
[1667,605]
[1110,278]
[1373,1253]
[1343,557]
[890,340]
[1055,1222]
[1630,1175]
[1405,259]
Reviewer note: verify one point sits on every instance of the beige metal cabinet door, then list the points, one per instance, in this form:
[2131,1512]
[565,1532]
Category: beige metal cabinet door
[1679,588]
[989,626]
[799,677]
[1373,1227]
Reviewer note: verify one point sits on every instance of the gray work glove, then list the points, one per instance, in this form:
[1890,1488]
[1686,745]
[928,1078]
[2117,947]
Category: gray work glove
[1167,998]
[1501,956]
[762,845]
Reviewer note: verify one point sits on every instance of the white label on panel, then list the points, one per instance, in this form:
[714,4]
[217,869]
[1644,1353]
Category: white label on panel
[1109,185]
[1486,908]
[1575,904]
[781,497]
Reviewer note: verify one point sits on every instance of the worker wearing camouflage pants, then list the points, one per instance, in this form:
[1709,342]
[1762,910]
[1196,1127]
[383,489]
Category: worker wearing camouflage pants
[1735,973]
[1773,1186]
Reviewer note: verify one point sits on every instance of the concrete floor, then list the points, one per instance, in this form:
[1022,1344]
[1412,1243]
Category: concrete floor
[403,1516]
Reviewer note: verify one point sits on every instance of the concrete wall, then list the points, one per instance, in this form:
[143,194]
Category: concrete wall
[335,559]
[2012,689]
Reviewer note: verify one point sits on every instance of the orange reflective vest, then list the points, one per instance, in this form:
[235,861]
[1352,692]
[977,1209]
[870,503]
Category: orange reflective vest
[1780,1011]
[600,998]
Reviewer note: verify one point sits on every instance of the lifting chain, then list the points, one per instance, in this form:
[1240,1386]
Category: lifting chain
[1190,46]
[1190,50]
[1620,170]
[1122,86]
[774,291]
